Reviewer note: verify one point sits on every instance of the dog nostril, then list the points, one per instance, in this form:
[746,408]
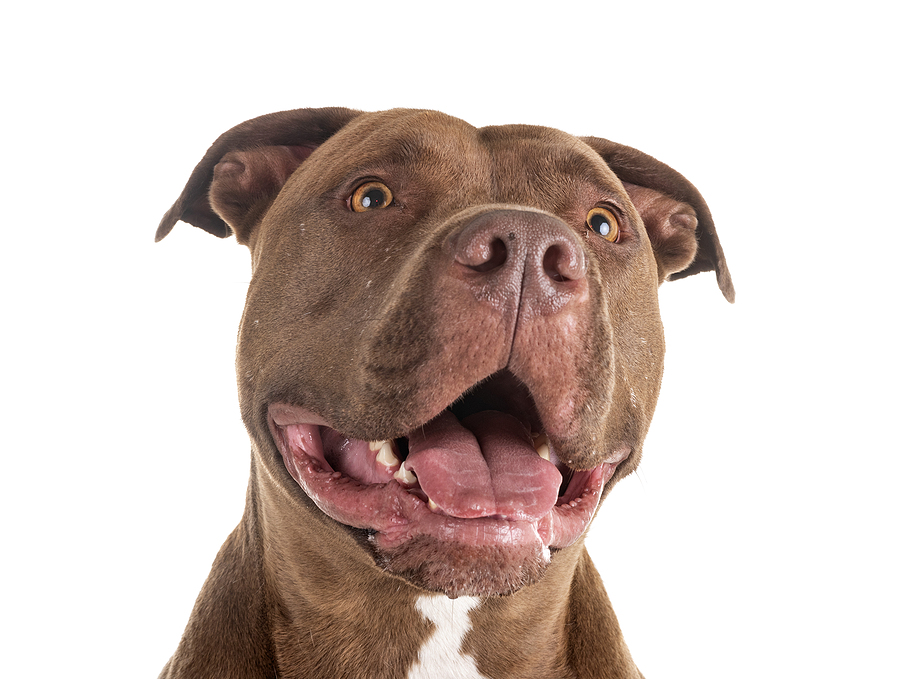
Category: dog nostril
[563,263]
[485,257]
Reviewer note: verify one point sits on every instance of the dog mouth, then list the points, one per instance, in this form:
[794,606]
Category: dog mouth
[480,472]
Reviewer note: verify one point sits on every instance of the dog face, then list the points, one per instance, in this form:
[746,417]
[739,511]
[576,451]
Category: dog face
[451,344]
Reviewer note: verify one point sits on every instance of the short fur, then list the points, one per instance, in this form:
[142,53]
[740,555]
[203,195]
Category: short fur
[480,279]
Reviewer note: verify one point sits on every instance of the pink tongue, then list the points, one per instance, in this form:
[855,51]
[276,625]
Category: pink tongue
[483,466]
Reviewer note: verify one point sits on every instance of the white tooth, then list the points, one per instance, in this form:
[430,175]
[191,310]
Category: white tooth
[386,454]
[432,505]
[404,476]
[542,445]
[376,445]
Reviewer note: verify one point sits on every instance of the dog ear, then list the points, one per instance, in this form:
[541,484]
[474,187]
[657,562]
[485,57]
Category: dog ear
[246,167]
[674,213]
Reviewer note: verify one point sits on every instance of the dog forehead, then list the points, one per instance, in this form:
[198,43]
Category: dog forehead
[414,140]
[404,135]
[451,146]
[533,146]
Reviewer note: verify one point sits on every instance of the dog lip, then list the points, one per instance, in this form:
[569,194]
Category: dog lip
[284,415]
[618,456]
[397,514]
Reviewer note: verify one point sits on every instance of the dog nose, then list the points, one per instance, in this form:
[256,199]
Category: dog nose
[520,250]
[513,237]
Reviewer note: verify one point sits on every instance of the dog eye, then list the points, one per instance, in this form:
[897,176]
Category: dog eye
[371,196]
[604,223]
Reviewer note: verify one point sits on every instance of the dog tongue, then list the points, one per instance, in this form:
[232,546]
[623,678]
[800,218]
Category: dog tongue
[482,466]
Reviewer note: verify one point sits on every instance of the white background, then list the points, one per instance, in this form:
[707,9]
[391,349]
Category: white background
[760,537]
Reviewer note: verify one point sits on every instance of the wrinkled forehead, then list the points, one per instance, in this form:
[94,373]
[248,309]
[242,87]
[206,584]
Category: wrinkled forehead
[447,146]
[403,138]
[545,148]
[544,159]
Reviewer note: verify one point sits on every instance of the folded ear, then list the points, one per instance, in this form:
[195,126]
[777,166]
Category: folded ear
[674,213]
[245,168]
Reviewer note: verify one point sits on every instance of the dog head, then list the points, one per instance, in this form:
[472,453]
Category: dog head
[451,343]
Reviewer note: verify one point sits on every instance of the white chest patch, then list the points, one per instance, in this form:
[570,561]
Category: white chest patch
[441,655]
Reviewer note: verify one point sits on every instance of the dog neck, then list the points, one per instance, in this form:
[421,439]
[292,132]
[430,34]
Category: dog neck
[444,649]
[343,631]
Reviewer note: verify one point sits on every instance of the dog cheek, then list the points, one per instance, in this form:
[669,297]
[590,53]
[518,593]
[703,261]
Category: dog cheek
[588,362]
[391,389]
[640,350]
[424,351]
[628,353]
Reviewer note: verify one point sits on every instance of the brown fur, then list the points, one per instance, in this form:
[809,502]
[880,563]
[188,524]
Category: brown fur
[375,322]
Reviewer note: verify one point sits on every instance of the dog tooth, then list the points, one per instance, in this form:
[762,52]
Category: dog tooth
[542,445]
[432,505]
[385,454]
[405,476]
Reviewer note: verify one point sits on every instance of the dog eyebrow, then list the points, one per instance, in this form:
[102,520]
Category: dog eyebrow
[419,149]
[401,152]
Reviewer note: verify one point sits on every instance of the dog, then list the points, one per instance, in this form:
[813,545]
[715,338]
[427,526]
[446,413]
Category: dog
[450,352]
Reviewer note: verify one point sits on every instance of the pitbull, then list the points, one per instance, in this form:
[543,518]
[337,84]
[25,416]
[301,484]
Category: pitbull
[450,352]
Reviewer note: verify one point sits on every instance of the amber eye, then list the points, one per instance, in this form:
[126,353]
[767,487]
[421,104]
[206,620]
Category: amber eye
[604,223]
[370,196]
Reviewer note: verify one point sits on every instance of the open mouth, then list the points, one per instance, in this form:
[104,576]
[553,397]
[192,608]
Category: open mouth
[481,473]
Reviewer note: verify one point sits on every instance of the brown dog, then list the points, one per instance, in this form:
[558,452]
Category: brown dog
[450,352]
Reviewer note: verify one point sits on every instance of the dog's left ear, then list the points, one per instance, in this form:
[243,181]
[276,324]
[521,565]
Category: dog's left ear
[674,213]
[246,167]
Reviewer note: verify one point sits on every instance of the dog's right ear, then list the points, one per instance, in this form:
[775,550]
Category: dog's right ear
[677,218]
[245,168]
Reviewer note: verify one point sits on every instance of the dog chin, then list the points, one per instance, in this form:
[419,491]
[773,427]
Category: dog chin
[457,569]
